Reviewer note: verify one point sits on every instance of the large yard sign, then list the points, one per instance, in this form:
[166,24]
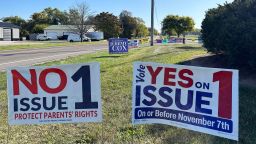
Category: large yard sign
[56,94]
[195,98]
[118,45]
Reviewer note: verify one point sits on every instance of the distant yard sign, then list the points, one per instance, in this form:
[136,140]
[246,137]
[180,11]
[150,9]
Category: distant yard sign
[133,43]
[55,94]
[118,45]
[195,98]
[171,40]
[176,40]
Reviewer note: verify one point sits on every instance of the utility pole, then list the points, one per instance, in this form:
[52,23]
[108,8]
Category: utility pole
[152,22]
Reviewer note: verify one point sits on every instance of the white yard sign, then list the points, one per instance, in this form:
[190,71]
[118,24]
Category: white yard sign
[55,94]
[195,98]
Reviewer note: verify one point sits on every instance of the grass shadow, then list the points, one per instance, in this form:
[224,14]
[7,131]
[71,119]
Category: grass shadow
[110,56]
[213,61]
[247,76]
[188,48]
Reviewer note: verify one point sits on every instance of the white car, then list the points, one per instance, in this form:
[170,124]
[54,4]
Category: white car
[76,38]
[42,37]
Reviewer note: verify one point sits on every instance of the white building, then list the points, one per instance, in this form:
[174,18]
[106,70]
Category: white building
[56,31]
[9,32]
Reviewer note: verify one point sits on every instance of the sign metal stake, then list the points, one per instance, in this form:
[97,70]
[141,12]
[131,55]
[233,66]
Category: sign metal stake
[132,134]
[8,134]
[102,133]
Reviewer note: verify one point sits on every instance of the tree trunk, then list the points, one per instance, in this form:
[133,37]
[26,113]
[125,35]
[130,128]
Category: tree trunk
[184,39]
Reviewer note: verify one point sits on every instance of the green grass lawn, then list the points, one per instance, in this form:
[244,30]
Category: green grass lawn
[46,44]
[116,82]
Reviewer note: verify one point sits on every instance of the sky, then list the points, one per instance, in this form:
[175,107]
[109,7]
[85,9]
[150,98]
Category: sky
[139,8]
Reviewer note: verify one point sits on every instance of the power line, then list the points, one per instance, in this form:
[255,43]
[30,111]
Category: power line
[156,13]
[157,19]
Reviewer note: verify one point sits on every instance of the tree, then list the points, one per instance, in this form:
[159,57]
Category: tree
[40,18]
[169,24]
[132,26]
[195,31]
[128,24]
[50,16]
[15,20]
[125,13]
[177,24]
[30,25]
[155,31]
[79,16]
[107,23]
[141,29]
[39,28]
[139,20]
[186,24]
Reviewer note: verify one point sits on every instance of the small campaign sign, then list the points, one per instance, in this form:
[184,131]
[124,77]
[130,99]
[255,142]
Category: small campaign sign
[175,40]
[54,94]
[118,45]
[195,98]
[133,43]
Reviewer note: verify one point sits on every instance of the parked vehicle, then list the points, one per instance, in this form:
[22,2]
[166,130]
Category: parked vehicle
[42,37]
[76,38]
[95,35]
[52,35]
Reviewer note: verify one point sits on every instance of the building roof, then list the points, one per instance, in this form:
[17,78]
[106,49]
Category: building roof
[8,25]
[60,27]
[65,27]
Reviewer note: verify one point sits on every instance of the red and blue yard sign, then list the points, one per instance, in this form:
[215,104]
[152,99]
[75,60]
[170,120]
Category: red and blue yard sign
[55,94]
[195,98]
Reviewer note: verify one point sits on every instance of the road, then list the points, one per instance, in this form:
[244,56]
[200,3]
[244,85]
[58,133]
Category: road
[27,57]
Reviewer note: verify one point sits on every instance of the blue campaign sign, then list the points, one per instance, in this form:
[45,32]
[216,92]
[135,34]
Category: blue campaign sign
[118,45]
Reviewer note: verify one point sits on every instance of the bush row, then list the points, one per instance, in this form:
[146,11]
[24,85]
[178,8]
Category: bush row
[230,29]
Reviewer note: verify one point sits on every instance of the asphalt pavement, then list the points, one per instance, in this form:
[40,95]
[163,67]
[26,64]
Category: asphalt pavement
[28,57]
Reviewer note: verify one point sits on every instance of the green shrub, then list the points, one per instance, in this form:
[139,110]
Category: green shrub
[230,29]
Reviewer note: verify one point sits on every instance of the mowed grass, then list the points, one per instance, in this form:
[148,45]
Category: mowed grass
[116,82]
[45,44]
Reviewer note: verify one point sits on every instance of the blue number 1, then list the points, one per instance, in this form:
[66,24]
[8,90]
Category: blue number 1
[84,73]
